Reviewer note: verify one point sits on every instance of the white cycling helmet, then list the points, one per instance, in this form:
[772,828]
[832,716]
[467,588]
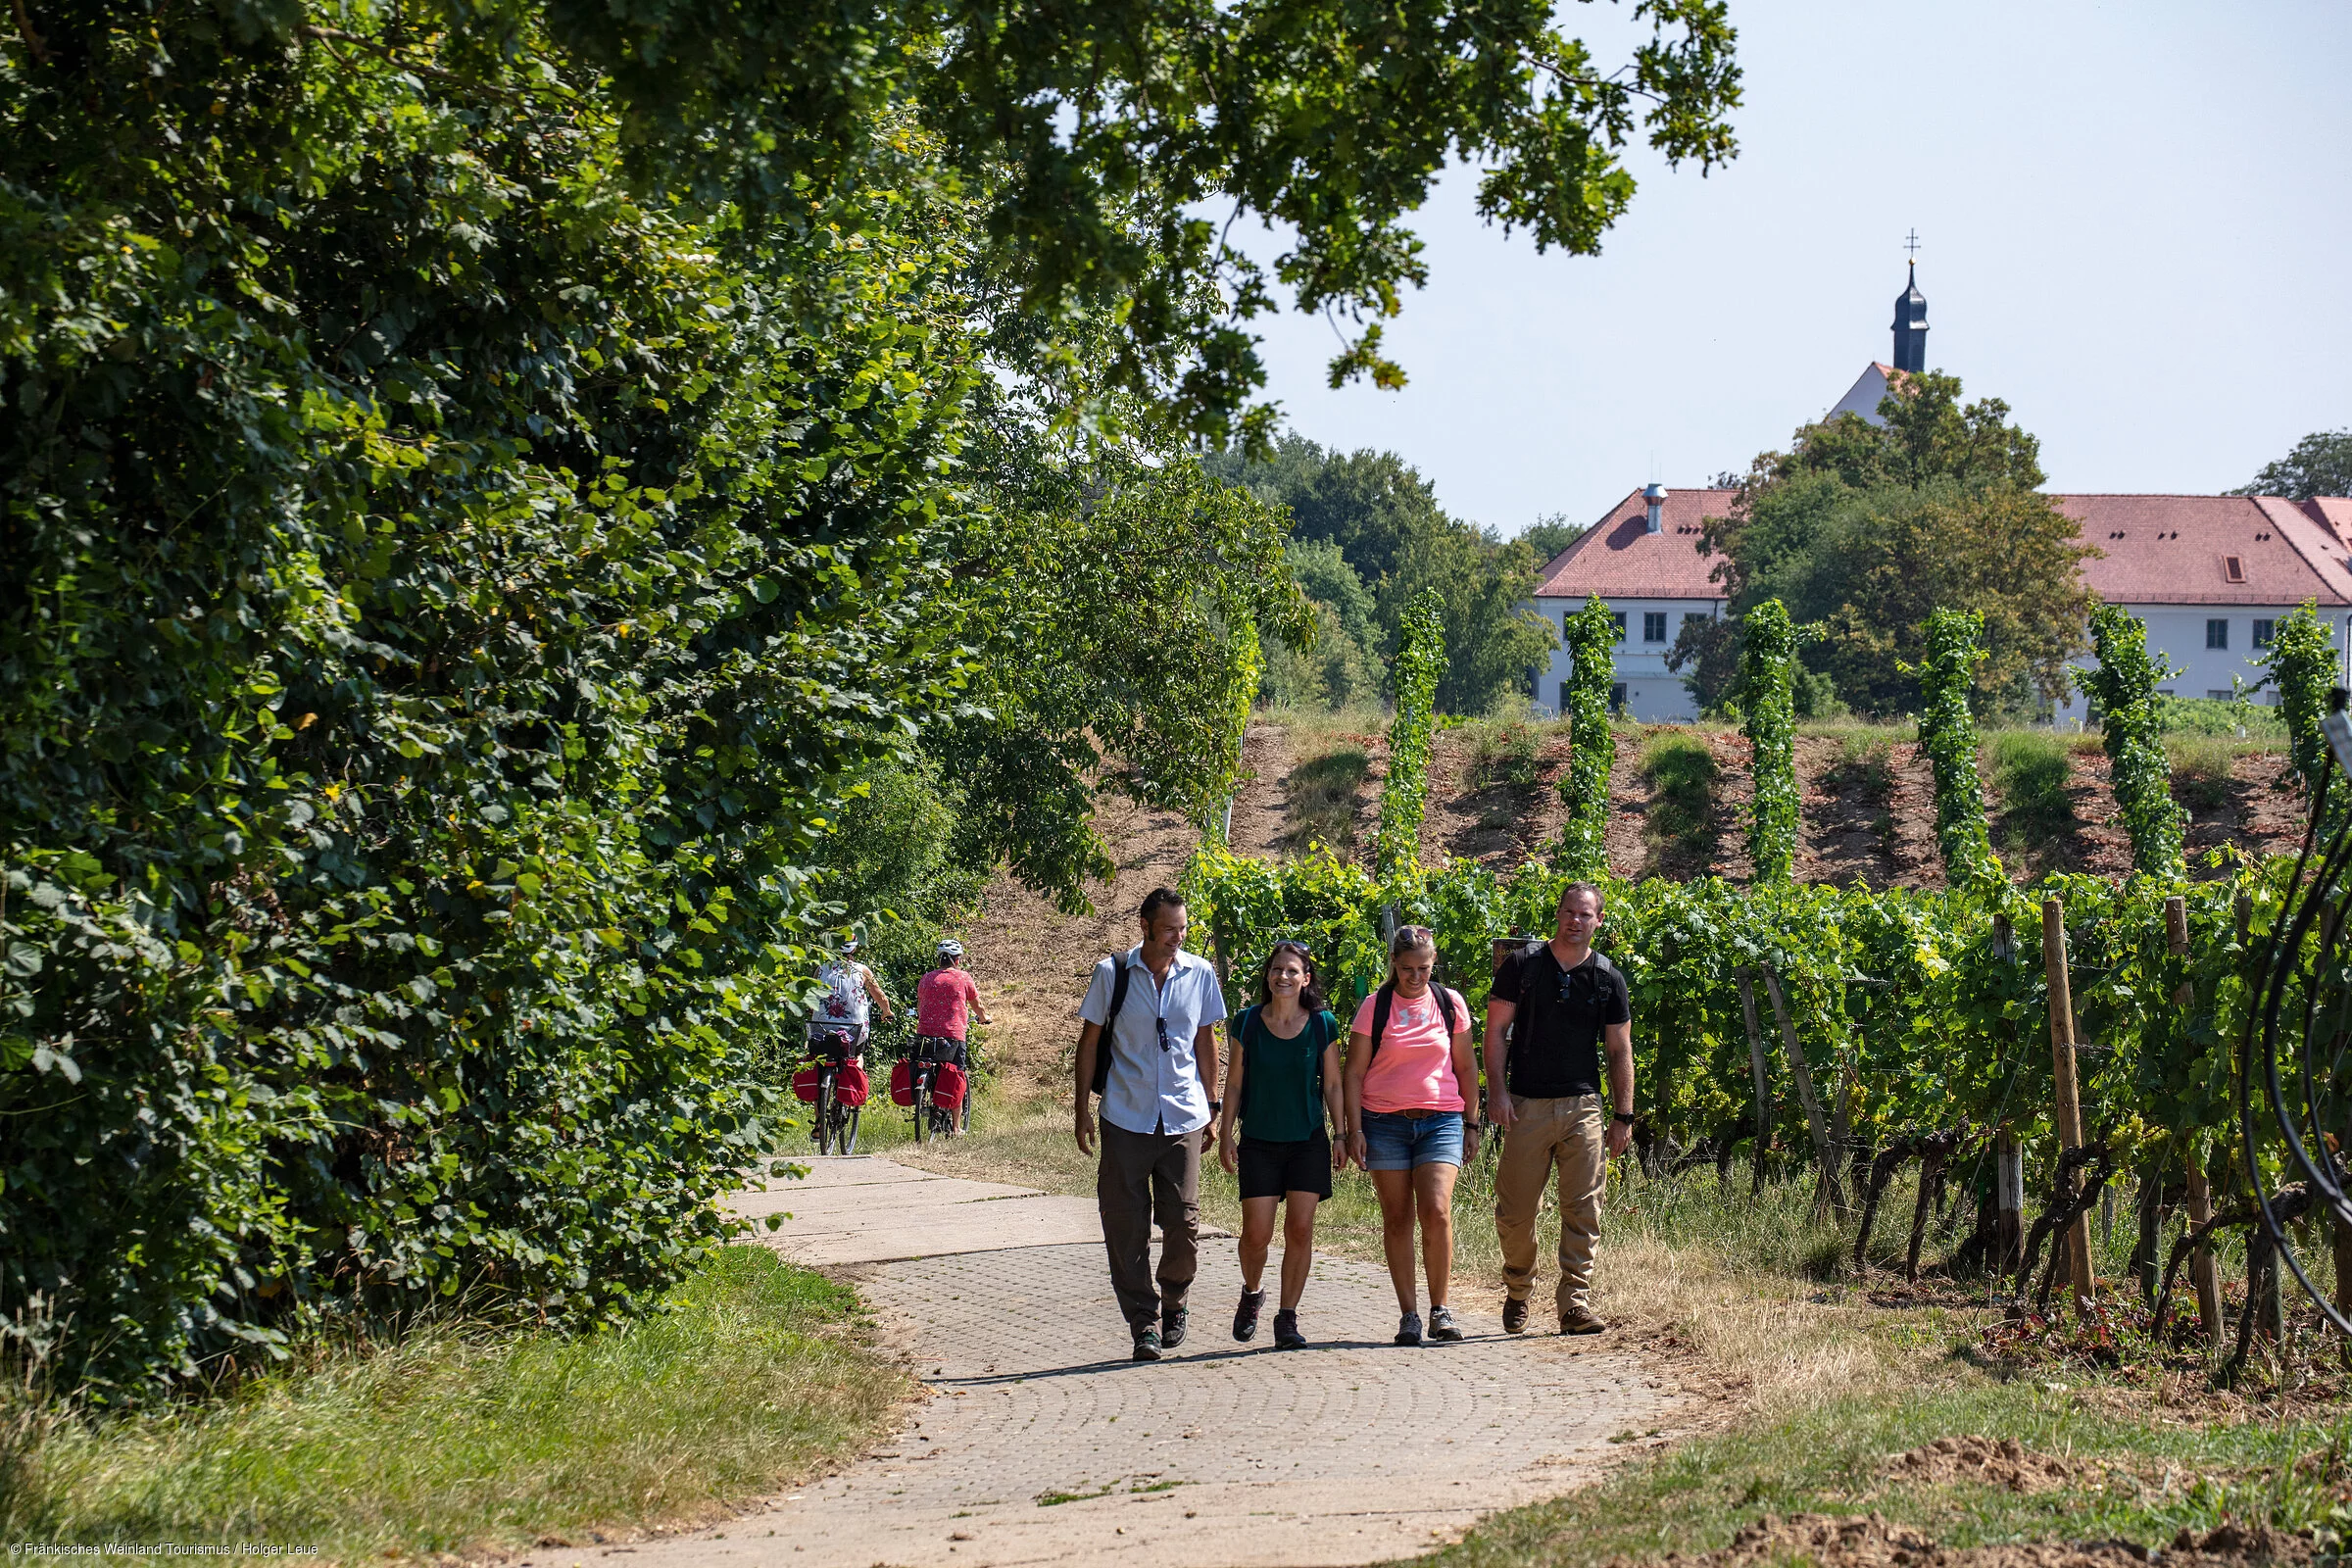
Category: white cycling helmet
[950,950]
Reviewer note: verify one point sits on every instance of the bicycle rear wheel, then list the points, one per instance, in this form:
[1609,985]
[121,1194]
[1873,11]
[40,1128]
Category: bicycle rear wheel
[845,1137]
[825,1105]
[922,1108]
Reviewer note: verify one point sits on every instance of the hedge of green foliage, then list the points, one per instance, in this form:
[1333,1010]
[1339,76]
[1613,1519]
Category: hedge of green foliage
[1404,796]
[2131,727]
[1590,635]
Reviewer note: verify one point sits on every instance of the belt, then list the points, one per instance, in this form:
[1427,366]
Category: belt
[1418,1113]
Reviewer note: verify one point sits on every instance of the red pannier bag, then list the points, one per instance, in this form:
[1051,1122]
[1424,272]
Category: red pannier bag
[850,1086]
[947,1086]
[804,1084]
[902,1082]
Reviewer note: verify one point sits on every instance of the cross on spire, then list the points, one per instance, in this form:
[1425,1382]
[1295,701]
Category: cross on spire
[1911,244]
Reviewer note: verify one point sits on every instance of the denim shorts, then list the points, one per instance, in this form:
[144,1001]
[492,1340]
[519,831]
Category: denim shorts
[1401,1143]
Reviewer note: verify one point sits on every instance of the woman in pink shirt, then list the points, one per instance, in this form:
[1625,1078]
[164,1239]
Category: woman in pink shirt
[944,999]
[1408,1122]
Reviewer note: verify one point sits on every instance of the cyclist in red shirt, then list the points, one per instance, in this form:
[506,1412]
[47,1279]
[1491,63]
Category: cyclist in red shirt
[944,999]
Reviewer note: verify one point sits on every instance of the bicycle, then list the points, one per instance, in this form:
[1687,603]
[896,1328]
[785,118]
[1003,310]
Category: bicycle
[836,1128]
[922,1064]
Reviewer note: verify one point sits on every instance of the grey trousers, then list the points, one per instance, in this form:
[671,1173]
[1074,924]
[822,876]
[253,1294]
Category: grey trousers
[1144,1177]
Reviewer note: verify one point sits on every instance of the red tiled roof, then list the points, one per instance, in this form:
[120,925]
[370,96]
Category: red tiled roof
[2336,512]
[1618,558]
[2178,550]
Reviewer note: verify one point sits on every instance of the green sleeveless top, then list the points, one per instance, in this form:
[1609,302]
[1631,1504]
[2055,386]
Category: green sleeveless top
[1281,1079]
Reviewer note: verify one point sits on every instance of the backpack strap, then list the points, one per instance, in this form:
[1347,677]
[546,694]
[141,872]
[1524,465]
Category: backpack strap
[1380,999]
[1110,1019]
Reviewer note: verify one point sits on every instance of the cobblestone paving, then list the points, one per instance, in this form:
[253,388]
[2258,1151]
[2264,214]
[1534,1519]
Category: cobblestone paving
[1040,1442]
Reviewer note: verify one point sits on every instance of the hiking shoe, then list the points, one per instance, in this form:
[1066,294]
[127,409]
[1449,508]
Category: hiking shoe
[1146,1344]
[1441,1325]
[1409,1329]
[1244,1316]
[1579,1321]
[1286,1332]
[1514,1316]
[1171,1326]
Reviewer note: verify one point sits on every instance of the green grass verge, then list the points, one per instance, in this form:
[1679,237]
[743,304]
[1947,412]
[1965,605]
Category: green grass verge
[1682,769]
[2142,1479]
[462,1439]
[2029,774]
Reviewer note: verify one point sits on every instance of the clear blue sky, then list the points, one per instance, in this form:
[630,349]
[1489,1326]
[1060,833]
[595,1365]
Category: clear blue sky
[2136,224]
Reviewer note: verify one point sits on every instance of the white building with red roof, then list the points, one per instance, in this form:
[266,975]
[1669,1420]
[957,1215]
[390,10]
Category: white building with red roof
[2210,575]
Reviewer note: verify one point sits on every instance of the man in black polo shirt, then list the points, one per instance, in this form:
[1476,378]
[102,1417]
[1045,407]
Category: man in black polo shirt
[1554,1007]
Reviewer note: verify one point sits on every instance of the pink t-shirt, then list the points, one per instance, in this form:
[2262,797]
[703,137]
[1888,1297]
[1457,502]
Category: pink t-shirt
[1413,1071]
[941,999]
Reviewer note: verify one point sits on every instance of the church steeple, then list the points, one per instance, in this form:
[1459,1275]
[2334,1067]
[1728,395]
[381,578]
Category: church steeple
[1911,326]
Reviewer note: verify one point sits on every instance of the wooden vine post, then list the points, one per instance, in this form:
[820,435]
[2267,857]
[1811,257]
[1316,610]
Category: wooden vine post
[2008,1155]
[1830,1193]
[1761,1076]
[2062,1071]
[2200,1194]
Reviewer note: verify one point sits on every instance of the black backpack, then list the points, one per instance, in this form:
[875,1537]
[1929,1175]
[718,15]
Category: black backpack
[1380,1015]
[1527,956]
[1118,1000]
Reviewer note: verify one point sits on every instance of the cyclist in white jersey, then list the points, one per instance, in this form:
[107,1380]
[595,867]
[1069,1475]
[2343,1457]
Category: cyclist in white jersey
[852,999]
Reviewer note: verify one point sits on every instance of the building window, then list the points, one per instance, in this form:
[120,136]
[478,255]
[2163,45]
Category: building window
[2217,634]
[1691,615]
[1617,618]
[2219,697]
[2166,691]
[1653,625]
[2263,632]
[1617,694]
[1566,687]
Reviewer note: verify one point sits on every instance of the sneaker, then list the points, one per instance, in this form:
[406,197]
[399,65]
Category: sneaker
[1409,1329]
[1441,1325]
[1575,1320]
[1286,1332]
[1171,1326]
[1514,1317]
[1146,1344]
[1244,1316]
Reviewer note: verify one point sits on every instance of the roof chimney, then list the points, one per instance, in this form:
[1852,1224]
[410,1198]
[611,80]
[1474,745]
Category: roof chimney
[1654,496]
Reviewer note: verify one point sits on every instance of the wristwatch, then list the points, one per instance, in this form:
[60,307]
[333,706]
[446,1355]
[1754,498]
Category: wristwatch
[1625,1116]
[1216,1107]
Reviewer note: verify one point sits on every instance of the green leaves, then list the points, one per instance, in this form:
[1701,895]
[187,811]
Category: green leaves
[2123,686]
[1590,636]
[1948,732]
[1767,677]
[1404,796]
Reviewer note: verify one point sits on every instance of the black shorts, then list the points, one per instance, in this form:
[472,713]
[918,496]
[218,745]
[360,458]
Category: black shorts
[1270,1170]
[937,1048]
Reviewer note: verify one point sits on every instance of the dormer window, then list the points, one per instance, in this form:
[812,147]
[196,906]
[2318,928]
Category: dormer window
[2234,569]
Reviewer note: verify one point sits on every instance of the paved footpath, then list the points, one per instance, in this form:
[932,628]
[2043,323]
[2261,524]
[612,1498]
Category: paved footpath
[1040,1442]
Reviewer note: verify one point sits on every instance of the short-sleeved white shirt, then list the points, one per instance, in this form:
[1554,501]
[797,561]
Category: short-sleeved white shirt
[1151,1090]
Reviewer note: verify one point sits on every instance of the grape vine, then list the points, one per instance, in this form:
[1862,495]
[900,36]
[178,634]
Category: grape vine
[1767,681]
[1947,733]
[2124,686]
[1590,636]
[2302,665]
[1420,660]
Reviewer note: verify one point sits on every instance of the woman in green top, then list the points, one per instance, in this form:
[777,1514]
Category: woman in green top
[1281,1079]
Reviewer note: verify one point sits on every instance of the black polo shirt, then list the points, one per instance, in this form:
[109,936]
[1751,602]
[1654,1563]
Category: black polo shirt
[1556,1033]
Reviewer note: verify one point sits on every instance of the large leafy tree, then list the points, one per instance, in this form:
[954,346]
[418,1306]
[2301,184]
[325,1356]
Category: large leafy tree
[480,486]
[1384,519]
[1865,529]
[2318,464]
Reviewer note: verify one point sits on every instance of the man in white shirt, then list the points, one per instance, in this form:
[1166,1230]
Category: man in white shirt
[1156,1116]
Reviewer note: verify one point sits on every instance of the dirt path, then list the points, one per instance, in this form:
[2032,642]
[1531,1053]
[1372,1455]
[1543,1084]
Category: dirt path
[1039,1441]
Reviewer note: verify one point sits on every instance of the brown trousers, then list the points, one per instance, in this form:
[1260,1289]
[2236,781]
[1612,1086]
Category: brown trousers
[1566,1135]
[1145,1177]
